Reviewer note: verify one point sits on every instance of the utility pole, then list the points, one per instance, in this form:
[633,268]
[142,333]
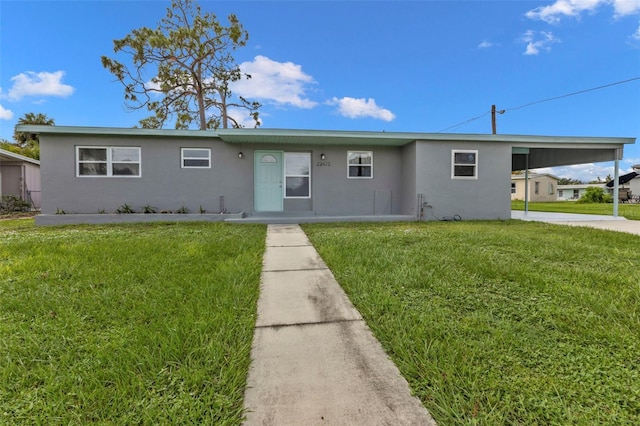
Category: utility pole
[493,117]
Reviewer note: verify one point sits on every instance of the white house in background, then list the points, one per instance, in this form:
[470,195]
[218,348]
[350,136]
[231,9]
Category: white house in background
[542,187]
[20,177]
[574,192]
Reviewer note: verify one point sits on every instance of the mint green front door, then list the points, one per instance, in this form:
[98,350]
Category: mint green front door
[268,181]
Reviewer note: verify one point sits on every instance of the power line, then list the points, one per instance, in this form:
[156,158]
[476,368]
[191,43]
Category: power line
[539,102]
[572,94]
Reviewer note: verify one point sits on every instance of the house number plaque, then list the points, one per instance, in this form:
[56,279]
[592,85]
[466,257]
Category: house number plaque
[323,163]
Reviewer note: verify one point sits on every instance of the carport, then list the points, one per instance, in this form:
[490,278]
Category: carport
[533,154]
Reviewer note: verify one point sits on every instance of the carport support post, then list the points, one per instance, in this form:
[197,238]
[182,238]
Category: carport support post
[616,173]
[526,183]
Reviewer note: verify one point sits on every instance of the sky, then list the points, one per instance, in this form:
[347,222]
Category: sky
[557,67]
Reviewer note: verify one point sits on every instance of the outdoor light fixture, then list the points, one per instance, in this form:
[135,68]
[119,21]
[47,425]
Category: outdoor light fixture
[240,155]
[323,157]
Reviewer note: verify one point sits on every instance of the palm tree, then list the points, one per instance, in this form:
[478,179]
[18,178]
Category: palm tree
[29,139]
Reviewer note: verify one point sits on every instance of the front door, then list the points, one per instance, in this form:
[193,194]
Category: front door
[268,181]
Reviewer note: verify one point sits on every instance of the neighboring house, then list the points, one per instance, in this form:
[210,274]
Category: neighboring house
[542,187]
[628,186]
[20,177]
[575,192]
[634,186]
[297,174]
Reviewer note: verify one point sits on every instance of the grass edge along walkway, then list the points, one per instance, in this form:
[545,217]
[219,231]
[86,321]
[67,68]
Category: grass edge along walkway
[500,322]
[130,324]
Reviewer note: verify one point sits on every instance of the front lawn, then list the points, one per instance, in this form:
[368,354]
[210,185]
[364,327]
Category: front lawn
[500,322]
[126,324]
[629,211]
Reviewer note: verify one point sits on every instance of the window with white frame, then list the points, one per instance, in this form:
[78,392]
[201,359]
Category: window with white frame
[464,164]
[536,188]
[101,161]
[360,164]
[195,158]
[513,187]
[297,174]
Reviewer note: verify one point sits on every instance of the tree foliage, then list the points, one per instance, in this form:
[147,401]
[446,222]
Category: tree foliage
[569,181]
[594,194]
[182,70]
[31,151]
[30,140]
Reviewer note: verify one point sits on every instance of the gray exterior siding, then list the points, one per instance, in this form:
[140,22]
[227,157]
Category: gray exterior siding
[165,185]
[486,197]
[405,165]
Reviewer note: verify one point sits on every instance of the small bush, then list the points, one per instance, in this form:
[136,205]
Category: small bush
[148,209]
[182,210]
[13,204]
[595,195]
[125,209]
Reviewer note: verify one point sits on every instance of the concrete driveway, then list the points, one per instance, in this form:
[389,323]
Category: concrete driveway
[609,223]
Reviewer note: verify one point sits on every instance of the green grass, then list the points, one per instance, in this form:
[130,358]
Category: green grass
[500,323]
[130,324]
[629,211]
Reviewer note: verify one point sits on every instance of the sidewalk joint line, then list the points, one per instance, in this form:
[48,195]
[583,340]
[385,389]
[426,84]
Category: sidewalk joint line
[294,270]
[309,323]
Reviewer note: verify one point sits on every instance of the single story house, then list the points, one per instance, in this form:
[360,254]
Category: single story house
[20,177]
[300,175]
[576,191]
[542,187]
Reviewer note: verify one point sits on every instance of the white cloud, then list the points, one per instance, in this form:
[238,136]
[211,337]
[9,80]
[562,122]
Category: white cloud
[361,108]
[280,82]
[553,13]
[5,114]
[626,7]
[38,84]
[584,172]
[636,35]
[485,44]
[538,41]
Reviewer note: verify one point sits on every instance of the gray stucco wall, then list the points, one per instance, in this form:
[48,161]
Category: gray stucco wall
[487,197]
[409,164]
[165,185]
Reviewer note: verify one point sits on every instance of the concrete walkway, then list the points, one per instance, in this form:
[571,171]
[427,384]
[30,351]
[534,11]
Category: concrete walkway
[314,360]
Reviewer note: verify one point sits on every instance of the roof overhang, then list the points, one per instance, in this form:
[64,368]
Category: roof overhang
[534,151]
[13,157]
[337,137]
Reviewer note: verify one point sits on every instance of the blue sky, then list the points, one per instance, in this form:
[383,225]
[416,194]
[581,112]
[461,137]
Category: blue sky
[416,66]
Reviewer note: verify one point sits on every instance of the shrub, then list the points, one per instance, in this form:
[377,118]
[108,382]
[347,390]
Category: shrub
[13,204]
[125,209]
[594,194]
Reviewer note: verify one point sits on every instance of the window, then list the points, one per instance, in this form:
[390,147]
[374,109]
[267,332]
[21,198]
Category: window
[513,187]
[464,164]
[560,194]
[116,161]
[360,164]
[536,189]
[196,158]
[550,189]
[297,167]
